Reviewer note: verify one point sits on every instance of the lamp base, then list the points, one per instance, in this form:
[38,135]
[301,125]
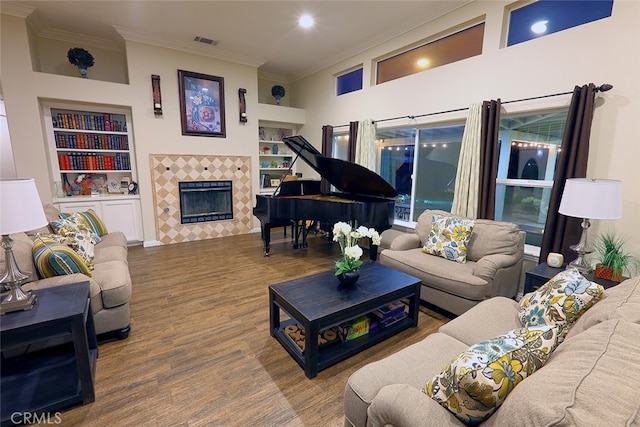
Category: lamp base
[17,300]
[582,249]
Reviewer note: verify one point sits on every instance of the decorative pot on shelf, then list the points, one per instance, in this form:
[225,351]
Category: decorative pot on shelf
[349,278]
[607,273]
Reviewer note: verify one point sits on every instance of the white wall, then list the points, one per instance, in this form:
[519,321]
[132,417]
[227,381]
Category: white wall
[604,51]
[24,90]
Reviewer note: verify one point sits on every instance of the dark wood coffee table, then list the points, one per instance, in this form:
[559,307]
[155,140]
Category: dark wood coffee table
[317,302]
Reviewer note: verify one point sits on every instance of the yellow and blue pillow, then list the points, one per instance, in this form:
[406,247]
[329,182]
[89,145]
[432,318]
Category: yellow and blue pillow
[88,219]
[476,382]
[52,258]
[449,237]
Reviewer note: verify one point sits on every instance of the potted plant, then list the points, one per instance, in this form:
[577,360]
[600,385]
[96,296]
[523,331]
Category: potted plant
[613,258]
[277,92]
[81,58]
[348,238]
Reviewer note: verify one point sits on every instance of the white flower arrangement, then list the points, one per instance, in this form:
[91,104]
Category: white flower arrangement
[348,240]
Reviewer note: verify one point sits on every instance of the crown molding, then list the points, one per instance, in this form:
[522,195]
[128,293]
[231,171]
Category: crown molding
[80,39]
[190,47]
[273,77]
[16,9]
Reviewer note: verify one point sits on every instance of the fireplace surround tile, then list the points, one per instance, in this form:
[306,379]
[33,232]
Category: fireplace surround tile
[169,169]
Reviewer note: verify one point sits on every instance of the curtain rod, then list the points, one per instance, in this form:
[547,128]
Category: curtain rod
[602,88]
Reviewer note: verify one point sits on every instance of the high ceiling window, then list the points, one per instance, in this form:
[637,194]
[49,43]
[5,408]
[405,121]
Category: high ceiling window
[546,17]
[455,47]
[349,82]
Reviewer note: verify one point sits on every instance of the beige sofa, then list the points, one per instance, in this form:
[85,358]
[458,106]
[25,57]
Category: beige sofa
[589,380]
[109,286]
[494,263]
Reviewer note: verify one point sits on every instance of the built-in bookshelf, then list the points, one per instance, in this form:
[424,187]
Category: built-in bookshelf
[92,164]
[274,156]
[92,142]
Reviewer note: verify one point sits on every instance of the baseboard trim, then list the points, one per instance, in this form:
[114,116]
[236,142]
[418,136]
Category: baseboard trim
[150,243]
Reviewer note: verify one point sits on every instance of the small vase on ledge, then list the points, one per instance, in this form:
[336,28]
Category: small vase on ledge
[349,278]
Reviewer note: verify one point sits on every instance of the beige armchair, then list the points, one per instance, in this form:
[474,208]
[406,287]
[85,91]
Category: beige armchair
[494,263]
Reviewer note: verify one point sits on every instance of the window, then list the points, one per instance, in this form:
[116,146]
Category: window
[340,146]
[431,158]
[529,147]
[548,16]
[455,47]
[349,82]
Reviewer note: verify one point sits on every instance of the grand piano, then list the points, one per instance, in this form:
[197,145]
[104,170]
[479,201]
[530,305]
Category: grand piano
[364,197]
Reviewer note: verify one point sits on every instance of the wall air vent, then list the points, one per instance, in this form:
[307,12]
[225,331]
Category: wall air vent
[205,40]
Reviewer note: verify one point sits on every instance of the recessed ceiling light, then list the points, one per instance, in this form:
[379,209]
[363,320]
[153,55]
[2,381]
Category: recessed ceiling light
[306,21]
[539,27]
[423,62]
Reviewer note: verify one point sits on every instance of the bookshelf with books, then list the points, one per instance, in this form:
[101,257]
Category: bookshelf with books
[89,141]
[92,163]
[274,156]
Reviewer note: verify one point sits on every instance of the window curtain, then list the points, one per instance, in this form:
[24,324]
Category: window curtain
[561,231]
[488,159]
[327,145]
[465,197]
[353,139]
[366,144]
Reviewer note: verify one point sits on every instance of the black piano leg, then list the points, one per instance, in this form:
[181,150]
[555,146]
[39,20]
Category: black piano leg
[266,236]
[373,251]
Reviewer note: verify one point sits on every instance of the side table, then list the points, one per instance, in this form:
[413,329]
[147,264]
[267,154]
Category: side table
[541,274]
[48,353]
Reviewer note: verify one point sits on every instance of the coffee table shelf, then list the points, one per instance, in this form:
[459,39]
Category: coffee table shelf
[316,303]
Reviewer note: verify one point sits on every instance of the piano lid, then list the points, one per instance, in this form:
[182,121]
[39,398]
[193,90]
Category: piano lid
[345,176]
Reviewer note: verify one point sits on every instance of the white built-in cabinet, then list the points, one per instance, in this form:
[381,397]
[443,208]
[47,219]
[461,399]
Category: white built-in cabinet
[119,213]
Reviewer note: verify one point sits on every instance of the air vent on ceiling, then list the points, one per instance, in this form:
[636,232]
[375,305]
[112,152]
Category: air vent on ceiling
[205,40]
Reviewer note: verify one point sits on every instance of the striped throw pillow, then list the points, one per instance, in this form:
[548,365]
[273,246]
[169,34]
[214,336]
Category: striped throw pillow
[52,258]
[88,218]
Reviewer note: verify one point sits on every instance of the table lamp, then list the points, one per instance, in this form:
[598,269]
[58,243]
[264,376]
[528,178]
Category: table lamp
[20,210]
[589,199]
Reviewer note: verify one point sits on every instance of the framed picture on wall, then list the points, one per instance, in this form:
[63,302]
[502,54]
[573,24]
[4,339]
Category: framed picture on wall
[201,104]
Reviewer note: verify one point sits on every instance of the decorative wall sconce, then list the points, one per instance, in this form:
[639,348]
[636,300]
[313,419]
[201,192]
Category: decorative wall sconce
[157,96]
[242,105]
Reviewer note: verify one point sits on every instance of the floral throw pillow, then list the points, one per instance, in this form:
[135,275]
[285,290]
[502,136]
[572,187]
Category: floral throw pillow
[449,237]
[560,301]
[478,380]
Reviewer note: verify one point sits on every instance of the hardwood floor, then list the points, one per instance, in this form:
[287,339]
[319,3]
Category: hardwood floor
[200,353]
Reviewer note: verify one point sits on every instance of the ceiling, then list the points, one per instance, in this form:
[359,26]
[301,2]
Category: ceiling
[264,34]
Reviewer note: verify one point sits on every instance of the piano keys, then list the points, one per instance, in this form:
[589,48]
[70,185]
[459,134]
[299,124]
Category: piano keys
[364,197]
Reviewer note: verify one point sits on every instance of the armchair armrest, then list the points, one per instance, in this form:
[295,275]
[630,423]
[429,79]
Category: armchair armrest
[405,241]
[487,267]
[404,406]
[68,279]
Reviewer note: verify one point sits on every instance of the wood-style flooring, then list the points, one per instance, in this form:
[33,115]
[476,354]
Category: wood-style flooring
[200,353]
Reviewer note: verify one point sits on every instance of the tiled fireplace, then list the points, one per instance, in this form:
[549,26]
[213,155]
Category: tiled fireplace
[200,171]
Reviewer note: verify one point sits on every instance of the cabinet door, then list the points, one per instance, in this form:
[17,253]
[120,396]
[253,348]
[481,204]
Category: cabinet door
[123,215]
[81,207]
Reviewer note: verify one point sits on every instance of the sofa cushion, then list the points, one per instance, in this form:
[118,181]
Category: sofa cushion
[423,225]
[449,237]
[479,379]
[496,315]
[89,219]
[115,238]
[619,302]
[52,258]
[438,273]
[410,366]
[493,237]
[115,282]
[587,381]
[560,301]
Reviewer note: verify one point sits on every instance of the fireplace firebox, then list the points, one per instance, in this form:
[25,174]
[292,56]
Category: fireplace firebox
[204,201]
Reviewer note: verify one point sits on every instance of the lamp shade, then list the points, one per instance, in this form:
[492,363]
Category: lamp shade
[20,206]
[592,198]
